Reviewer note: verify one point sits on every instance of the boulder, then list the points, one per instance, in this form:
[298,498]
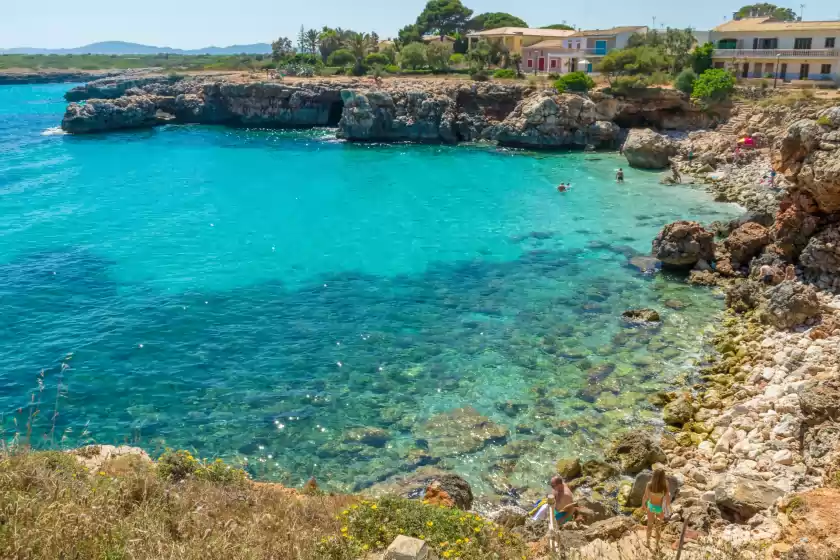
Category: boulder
[98,115]
[789,304]
[375,437]
[746,241]
[744,296]
[597,471]
[635,451]
[683,244]
[678,412]
[450,490]
[645,264]
[821,403]
[646,149]
[794,225]
[809,157]
[641,316]
[741,498]
[568,468]
[610,529]
[509,517]
[637,492]
[821,256]
[592,511]
[408,548]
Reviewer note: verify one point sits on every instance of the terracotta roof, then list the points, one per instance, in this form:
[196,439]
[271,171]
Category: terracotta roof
[523,31]
[609,32]
[770,24]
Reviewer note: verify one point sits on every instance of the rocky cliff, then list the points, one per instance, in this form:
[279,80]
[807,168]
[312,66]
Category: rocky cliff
[445,111]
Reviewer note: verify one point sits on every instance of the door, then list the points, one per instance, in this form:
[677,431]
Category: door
[783,72]
[803,71]
[542,64]
[745,70]
[600,47]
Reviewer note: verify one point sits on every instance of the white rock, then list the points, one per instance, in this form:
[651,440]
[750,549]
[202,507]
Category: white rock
[783,457]
[768,373]
[774,391]
[789,404]
[706,448]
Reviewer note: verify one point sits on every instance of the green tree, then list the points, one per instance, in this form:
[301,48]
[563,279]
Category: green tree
[494,20]
[437,55]
[359,44]
[329,41]
[374,59]
[685,81]
[413,56]
[677,45]
[281,48]
[516,60]
[456,59]
[714,85]
[311,39]
[633,61]
[766,10]
[390,52]
[701,58]
[443,17]
[301,41]
[410,34]
[341,57]
[481,53]
[561,26]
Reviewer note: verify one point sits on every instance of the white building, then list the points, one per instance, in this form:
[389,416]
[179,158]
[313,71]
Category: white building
[767,48]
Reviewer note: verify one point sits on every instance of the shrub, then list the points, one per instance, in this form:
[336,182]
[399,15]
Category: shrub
[341,57]
[181,465]
[392,69]
[701,58]
[437,55]
[456,59]
[574,81]
[376,58]
[451,533]
[413,56]
[714,85]
[479,75]
[627,85]
[504,74]
[685,81]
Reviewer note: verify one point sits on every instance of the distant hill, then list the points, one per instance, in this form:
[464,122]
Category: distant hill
[123,48]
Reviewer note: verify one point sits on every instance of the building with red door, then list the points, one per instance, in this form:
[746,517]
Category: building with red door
[578,51]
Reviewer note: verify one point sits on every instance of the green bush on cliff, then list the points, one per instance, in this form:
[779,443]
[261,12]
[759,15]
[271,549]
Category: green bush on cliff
[714,85]
[574,81]
[685,81]
[369,526]
[504,74]
[180,465]
[341,57]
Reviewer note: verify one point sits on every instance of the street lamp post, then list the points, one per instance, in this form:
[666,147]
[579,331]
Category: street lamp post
[776,74]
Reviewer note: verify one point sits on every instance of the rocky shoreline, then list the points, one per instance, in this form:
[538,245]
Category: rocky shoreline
[425,111]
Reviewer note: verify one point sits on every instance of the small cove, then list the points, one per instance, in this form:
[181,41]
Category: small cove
[264,295]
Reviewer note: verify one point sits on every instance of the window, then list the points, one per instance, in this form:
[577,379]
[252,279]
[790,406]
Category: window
[829,42]
[719,65]
[530,63]
[825,69]
[554,63]
[728,44]
[802,44]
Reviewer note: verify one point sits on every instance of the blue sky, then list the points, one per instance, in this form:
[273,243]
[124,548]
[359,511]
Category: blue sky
[199,23]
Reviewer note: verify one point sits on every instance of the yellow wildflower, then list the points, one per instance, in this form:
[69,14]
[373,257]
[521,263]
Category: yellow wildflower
[459,541]
[422,537]
[345,512]
[365,547]
[447,554]
[102,473]
[477,530]
[373,506]
[466,540]
[344,529]
[430,523]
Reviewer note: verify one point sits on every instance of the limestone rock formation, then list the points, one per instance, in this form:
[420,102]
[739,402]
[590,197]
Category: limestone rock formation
[741,498]
[745,242]
[610,529]
[409,548]
[795,224]
[789,304]
[678,412]
[568,468]
[635,451]
[683,244]
[416,116]
[125,112]
[546,120]
[450,490]
[821,257]
[116,86]
[646,149]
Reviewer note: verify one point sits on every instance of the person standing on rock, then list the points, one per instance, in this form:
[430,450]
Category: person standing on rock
[563,502]
[657,500]
[676,172]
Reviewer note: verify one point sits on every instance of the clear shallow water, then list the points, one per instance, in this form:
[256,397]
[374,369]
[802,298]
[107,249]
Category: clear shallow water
[258,295]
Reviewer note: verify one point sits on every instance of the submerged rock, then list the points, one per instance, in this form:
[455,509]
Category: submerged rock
[641,316]
[568,468]
[462,430]
[635,451]
[646,149]
[678,412]
[684,244]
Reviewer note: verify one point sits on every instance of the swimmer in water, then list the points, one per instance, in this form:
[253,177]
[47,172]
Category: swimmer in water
[562,188]
[619,175]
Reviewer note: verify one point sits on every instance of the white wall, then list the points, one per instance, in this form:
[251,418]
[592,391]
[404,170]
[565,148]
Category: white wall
[786,39]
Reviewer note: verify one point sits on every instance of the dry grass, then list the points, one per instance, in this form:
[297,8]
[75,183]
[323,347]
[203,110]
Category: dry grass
[50,507]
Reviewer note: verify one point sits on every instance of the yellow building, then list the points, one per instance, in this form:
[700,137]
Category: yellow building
[516,38]
[764,47]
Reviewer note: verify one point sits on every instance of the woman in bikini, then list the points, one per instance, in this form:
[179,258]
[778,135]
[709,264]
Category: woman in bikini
[656,500]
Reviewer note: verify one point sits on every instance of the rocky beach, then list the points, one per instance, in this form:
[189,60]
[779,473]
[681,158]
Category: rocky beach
[751,443]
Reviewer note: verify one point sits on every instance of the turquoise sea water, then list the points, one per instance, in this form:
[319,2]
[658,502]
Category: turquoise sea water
[262,295]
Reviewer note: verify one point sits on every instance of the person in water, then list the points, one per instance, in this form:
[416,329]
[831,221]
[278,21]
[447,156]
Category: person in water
[564,503]
[676,177]
[563,187]
[657,500]
[619,175]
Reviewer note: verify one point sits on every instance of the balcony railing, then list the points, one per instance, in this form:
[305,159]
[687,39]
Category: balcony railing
[576,52]
[772,53]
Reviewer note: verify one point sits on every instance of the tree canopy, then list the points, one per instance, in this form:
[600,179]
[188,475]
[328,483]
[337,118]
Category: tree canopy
[558,26]
[767,10]
[443,17]
[410,34]
[413,56]
[495,20]
[281,47]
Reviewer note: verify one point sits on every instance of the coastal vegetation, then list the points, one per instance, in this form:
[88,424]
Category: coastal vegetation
[57,504]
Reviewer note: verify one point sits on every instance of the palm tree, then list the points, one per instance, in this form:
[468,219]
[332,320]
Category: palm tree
[359,45]
[311,39]
[516,59]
